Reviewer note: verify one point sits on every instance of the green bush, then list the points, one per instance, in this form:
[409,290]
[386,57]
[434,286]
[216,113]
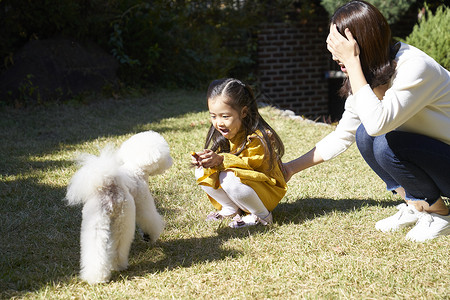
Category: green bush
[392,10]
[165,44]
[432,35]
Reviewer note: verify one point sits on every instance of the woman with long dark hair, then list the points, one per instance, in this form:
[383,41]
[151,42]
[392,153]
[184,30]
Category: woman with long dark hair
[397,110]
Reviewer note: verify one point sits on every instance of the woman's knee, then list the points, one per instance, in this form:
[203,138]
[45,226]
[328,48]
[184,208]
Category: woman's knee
[364,141]
[389,147]
[382,152]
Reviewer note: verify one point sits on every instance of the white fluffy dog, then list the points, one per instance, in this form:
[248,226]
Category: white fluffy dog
[114,190]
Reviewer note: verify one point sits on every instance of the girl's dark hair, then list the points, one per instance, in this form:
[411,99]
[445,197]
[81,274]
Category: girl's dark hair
[239,95]
[371,30]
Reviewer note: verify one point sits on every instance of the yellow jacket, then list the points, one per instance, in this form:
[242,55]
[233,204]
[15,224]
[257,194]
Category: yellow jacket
[252,167]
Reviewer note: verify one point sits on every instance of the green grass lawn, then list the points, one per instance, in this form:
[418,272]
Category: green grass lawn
[323,244]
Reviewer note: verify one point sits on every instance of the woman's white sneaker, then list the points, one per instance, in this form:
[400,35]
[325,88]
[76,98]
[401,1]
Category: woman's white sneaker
[429,226]
[407,215]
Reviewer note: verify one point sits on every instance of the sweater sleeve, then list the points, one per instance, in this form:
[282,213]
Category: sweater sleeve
[412,89]
[343,136]
[409,104]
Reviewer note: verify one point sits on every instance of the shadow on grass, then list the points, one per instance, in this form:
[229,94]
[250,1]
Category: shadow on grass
[40,240]
[40,235]
[306,209]
[40,245]
[37,236]
[36,228]
[42,130]
[183,253]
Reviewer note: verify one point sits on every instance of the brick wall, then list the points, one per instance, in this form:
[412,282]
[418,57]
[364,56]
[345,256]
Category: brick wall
[292,62]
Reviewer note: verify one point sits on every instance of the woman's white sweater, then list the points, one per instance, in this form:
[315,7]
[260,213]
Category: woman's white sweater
[417,100]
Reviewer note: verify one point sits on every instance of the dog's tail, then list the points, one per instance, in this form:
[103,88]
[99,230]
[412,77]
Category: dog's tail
[95,173]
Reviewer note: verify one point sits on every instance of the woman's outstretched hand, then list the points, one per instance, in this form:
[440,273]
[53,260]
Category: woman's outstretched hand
[287,172]
[309,159]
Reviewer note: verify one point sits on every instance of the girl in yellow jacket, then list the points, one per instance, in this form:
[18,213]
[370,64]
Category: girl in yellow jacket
[240,168]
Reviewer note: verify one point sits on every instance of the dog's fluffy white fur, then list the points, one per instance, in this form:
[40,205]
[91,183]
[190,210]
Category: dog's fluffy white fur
[113,187]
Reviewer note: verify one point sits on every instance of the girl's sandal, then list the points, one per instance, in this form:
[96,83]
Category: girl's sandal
[216,216]
[250,220]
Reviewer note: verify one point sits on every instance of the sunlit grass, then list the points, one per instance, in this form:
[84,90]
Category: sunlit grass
[323,243]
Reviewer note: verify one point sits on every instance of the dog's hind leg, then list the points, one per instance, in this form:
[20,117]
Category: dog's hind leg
[95,234]
[126,232]
[147,217]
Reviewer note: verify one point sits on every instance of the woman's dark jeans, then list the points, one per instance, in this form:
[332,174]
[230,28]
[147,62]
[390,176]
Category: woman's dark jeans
[418,163]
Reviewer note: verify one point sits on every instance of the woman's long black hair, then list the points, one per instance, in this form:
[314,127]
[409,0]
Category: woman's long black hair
[373,35]
[239,95]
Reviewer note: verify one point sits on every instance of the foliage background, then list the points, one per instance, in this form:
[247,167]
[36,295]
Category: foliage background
[165,43]
[392,10]
[171,43]
[432,35]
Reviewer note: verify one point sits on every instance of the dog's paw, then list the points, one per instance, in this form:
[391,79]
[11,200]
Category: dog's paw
[146,238]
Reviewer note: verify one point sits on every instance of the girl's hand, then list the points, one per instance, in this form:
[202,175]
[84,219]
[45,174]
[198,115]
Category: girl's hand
[195,159]
[344,49]
[209,159]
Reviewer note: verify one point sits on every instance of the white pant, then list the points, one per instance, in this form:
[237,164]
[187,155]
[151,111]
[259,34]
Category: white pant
[234,195]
